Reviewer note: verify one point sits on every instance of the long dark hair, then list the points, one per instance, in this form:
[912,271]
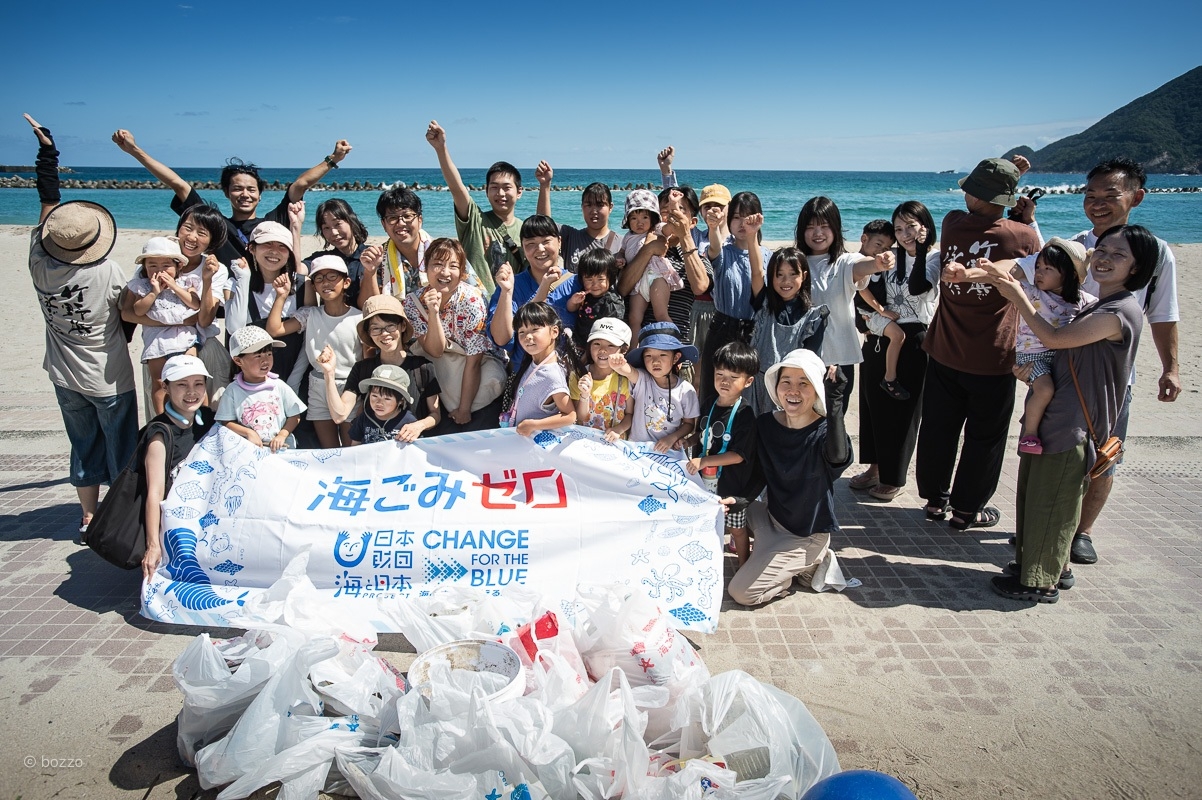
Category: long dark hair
[1144,248]
[341,210]
[538,315]
[256,278]
[820,209]
[917,280]
[792,257]
[1070,284]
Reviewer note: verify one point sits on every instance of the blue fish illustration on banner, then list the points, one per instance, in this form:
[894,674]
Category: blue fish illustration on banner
[491,510]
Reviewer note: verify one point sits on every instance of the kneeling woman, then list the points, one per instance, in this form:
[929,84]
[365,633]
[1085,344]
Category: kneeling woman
[188,419]
[801,452]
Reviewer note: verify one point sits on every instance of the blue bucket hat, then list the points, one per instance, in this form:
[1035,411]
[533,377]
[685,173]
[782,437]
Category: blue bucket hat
[661,336]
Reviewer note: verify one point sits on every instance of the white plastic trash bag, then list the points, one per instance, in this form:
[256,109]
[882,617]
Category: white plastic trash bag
[259,732]
[356,681]
[450,613]
[215,695]
[303,766]
[758,731]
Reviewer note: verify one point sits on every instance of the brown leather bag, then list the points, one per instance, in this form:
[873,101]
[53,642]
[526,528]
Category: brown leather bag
[1109,451]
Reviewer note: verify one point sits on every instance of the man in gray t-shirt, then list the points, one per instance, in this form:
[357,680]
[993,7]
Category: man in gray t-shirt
[87,357]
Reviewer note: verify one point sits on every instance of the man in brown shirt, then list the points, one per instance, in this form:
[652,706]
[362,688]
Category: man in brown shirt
[969,383]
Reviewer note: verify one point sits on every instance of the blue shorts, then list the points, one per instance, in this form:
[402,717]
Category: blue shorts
[1120,428]
[103,432]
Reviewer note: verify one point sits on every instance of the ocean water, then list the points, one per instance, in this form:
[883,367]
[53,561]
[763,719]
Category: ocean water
[861,197]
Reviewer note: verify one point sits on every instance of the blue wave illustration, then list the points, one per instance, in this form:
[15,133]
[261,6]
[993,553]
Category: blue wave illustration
[189,582]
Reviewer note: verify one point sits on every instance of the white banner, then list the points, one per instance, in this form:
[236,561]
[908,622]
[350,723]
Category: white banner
[385,521]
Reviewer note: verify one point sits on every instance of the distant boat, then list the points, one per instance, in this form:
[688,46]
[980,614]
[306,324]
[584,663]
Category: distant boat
[946,172]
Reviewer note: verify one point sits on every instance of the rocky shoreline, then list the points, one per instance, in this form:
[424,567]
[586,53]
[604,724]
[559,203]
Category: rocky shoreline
[17,182]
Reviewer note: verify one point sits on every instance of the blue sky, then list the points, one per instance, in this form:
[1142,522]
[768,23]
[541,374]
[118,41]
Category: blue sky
[859,85]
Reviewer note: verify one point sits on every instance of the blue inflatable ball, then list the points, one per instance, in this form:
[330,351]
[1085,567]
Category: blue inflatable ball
[859,784]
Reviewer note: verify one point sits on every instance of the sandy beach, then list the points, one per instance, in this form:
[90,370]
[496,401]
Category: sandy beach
[921,672]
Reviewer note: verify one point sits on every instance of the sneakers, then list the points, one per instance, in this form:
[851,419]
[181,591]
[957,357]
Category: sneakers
[1031,445]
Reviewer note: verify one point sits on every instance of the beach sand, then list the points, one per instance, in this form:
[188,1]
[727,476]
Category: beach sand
[1094,697]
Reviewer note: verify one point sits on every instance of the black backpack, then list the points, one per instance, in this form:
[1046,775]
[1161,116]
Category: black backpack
[117,532]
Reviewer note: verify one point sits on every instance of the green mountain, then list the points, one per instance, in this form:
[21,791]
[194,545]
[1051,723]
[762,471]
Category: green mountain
[1162,130]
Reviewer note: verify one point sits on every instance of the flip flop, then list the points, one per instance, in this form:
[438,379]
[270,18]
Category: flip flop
[865,480]
[885,492]
[987,517]
[1010,587]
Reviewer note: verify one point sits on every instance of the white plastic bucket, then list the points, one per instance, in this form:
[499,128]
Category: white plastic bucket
[476,655]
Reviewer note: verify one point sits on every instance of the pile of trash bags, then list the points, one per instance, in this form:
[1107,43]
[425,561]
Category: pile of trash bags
[613,702]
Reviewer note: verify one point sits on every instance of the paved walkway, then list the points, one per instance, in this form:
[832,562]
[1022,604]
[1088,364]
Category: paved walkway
[921,672]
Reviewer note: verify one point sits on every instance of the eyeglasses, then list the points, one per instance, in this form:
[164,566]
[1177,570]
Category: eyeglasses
[327,276]
[377,330]
[407,218]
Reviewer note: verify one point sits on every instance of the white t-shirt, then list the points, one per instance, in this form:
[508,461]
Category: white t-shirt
[218,286]
[658,412]
[833,285]
[911,307]
[339,333]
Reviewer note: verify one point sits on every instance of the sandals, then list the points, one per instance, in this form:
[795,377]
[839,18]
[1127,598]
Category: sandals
[936,513]
[1011,587]
[80,537]
[885,492]
[865,480]
[895,390]
[1067,579]
[987,517]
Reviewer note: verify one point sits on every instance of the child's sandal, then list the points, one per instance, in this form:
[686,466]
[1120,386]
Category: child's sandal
[895,390]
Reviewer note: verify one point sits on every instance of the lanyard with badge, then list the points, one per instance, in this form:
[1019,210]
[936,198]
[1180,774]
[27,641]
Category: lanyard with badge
[710,475]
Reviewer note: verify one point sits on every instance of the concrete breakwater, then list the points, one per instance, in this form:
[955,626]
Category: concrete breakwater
[17,182]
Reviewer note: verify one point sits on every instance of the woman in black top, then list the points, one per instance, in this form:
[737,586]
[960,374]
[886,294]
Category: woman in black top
[189,420]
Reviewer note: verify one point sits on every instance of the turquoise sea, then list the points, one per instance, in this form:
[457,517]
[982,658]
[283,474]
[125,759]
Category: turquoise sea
[861,196]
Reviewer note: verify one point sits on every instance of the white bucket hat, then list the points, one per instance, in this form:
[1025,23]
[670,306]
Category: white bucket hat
[815,371]
[161,247]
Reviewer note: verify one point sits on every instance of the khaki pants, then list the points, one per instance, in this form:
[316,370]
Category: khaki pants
[1048,508]
[777,557]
